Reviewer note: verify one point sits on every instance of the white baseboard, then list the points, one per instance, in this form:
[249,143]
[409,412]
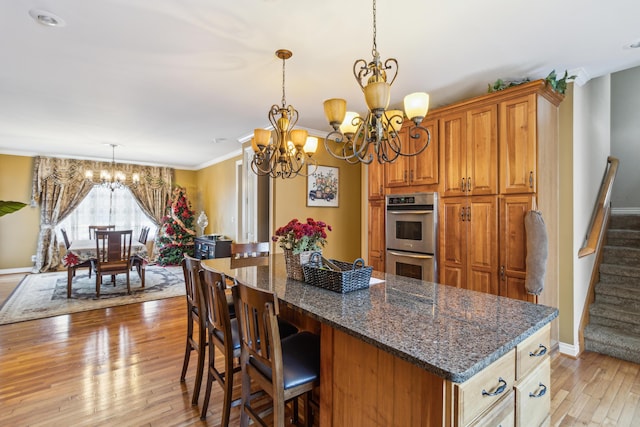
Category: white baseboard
[569,349]
[625,211]
[16,270]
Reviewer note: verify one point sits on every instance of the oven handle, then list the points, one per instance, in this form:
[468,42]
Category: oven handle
[411,256]
[410,212]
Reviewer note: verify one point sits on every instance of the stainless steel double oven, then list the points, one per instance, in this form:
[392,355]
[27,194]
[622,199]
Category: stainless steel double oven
[411,235]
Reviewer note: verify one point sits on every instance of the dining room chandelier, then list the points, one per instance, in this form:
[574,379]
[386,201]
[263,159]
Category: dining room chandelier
[286,154]
[113,179]
[353,136]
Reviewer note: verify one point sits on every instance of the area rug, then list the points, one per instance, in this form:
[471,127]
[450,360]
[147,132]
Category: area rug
[45,294]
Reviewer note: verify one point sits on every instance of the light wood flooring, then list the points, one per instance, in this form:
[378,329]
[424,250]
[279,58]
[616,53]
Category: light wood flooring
[121,366]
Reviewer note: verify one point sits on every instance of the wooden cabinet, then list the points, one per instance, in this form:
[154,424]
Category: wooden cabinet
[518,148]
[468,253]
[513,250]
[375,180]
[469,156]
[376,234]
[417,170]
[210,246]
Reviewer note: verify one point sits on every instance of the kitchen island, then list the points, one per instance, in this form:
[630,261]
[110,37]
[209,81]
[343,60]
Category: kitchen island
[408,352]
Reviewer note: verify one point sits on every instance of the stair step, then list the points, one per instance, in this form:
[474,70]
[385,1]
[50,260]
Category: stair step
[613,342]
[620,270]
[621,255]
[630,238]
[614,316]
[626,290]
[628,222]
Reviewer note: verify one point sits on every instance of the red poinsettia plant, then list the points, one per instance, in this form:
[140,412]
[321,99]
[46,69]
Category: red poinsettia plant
[300,237]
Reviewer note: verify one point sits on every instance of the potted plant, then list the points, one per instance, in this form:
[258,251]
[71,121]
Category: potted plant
[299,240]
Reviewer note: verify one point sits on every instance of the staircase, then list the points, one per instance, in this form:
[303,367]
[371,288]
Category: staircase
[614,317]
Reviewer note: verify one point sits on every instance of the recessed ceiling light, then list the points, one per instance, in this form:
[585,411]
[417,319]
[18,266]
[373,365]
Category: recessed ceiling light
[46,18]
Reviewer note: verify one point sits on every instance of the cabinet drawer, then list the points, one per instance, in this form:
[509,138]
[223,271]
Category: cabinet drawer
[533,351]
[533,401]
[501,415]
[485,388]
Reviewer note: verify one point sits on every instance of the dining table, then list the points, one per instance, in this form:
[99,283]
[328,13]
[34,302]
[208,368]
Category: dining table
[84,250]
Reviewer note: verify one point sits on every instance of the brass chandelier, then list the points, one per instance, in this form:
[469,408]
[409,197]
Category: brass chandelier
[291,149]
[357,139]
[113,179]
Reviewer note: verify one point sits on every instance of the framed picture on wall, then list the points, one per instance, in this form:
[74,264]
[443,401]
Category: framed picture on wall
[322,187]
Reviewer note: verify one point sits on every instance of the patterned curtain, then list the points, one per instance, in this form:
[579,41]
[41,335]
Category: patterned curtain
[59,185]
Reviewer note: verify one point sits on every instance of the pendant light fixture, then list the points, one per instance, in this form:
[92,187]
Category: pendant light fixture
[286,154]
[113,179]
[357,139]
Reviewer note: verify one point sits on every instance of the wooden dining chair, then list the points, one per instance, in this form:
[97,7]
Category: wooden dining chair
[113,256]
[67,244]
[94,228]
[195,316]
[284,368]
[137,261]
[222,336]
[248,254]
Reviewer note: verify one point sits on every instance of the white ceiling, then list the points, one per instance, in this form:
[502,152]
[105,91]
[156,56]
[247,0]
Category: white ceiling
[166,79]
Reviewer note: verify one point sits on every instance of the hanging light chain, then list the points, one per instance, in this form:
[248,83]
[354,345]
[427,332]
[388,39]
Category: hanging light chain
[284,100]
[374,50]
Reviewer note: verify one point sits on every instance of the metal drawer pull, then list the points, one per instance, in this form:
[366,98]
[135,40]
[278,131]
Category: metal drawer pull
[541,393]
[503,386]
[542,350]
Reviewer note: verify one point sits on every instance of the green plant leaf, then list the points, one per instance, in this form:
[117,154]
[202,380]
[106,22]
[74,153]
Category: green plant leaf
[9,207]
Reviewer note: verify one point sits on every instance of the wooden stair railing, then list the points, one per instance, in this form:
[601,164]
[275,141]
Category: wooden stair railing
[602,210]
[599,224]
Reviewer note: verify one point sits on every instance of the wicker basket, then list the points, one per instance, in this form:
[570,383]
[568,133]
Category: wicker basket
[353,276]
[293,263]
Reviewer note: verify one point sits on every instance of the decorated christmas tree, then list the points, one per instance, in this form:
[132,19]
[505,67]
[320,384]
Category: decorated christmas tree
[177,230]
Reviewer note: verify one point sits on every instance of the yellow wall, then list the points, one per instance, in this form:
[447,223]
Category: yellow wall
[216,195]
[290,201]
[18,230]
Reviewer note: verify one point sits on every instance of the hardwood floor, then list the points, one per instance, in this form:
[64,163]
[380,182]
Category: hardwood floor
[121,366]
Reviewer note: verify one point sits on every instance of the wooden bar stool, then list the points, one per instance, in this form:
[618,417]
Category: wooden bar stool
[195,316]
[283,368]
[222,335]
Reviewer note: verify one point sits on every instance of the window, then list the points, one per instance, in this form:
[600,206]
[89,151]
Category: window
[103,206]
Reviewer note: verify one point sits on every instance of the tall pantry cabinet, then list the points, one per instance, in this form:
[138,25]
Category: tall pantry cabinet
[497,159]
[511,143]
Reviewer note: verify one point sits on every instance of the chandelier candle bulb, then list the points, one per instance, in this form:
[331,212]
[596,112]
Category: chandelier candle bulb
[335,110]
[416,105]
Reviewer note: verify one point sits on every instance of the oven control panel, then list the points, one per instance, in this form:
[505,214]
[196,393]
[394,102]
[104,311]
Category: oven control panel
[417,199]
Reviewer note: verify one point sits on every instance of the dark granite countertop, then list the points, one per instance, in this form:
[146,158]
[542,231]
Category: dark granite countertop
[453,333]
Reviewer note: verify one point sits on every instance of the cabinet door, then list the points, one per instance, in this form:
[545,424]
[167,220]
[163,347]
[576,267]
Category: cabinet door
[482,151]
[482,251]
[518,145]
[375,180]
[397,173]
[453,241]
[453,154]
[376,234]
[424,167]
[513,249]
